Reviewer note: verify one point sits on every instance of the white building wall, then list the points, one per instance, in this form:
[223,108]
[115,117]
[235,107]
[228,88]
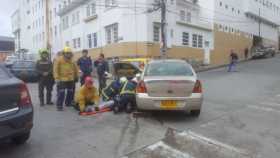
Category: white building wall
[233,14]
[131,27]
[26,37]
[56,33]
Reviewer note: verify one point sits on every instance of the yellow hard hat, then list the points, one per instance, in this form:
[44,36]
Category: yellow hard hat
[67,50]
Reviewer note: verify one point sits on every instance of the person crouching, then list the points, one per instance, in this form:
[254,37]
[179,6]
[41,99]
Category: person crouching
[87,97]
[127,99]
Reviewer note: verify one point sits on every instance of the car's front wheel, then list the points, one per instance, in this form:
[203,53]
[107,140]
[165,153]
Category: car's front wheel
[21,139]
[195,113]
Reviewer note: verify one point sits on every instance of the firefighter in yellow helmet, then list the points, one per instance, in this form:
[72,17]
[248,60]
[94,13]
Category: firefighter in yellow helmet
[66,74]
[44,67]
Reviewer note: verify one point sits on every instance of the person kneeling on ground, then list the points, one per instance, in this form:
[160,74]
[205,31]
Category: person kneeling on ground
[86,97]
[127,99]
[111,91]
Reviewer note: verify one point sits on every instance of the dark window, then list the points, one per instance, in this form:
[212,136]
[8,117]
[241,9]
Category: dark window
[185,39]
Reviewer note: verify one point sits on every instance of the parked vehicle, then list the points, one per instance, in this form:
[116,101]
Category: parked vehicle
[25,70]
[264,52]
[16,110]
[123,69]
[10,60]
[170,85]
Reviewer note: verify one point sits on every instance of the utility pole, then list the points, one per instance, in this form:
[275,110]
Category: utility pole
[163,49]
[48,27]
[260,22]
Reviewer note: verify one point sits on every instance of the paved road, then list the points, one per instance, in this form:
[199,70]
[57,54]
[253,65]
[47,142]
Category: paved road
[241,109]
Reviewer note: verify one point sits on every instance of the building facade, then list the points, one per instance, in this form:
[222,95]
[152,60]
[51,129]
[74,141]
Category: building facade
[202,30]
[240,24]
[126,28]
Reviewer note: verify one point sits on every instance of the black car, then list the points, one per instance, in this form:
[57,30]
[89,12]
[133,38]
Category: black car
[25,70]
[16,109]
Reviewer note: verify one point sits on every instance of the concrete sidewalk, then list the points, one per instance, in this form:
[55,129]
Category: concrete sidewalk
[212,67]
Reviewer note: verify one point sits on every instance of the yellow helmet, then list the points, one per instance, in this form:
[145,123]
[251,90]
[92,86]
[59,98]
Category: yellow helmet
[42,51]
[67,50]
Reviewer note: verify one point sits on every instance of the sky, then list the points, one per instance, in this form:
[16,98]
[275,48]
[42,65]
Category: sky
[7,8]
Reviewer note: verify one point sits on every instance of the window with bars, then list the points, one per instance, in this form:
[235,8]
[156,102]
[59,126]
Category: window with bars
[189,17]
[194,40]
[110,3]
[94,40]
[156,33]
[77,43]
[200,41]
[185,38]
[91,9]
[182,15]
[89,41]
[112,33]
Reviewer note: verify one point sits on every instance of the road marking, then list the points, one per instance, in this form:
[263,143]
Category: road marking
[217,143]
[266,109]
[270,103]
[165,149]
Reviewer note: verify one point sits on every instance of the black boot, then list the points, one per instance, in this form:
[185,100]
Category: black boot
[49,98]
[50,103]
[42,102]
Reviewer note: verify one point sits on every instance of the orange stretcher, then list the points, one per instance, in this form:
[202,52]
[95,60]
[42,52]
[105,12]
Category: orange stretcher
[95,112]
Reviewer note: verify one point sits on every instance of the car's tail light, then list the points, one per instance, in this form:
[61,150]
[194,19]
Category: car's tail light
[141,87]
[197,87]
[25,99]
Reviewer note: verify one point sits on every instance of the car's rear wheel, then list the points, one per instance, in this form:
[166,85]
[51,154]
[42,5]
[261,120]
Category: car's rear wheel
[21,139]
[195,113]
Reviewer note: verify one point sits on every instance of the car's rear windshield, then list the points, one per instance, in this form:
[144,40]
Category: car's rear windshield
[169,68]
[3,74]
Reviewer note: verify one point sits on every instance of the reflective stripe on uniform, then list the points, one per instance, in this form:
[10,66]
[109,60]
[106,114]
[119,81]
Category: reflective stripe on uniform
[105,95]
[125,91]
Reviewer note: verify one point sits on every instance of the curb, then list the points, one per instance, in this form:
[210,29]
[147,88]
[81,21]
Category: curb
[217,67]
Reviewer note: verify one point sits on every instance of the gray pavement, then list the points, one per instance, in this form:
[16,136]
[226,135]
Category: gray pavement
[241,109]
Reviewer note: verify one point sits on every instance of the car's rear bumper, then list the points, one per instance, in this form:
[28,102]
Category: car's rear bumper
[194,102]
[16,123]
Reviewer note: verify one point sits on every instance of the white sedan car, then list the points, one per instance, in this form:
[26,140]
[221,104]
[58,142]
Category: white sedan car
[169,85]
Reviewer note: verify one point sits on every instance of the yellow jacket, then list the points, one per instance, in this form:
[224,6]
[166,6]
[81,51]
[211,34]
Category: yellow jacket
[65,70]
[86,95]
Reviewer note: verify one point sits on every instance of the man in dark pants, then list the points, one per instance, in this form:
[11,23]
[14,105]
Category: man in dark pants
[44,68]
[85,65]
[246,53]
[233,61]
[102,69]
[66,75]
